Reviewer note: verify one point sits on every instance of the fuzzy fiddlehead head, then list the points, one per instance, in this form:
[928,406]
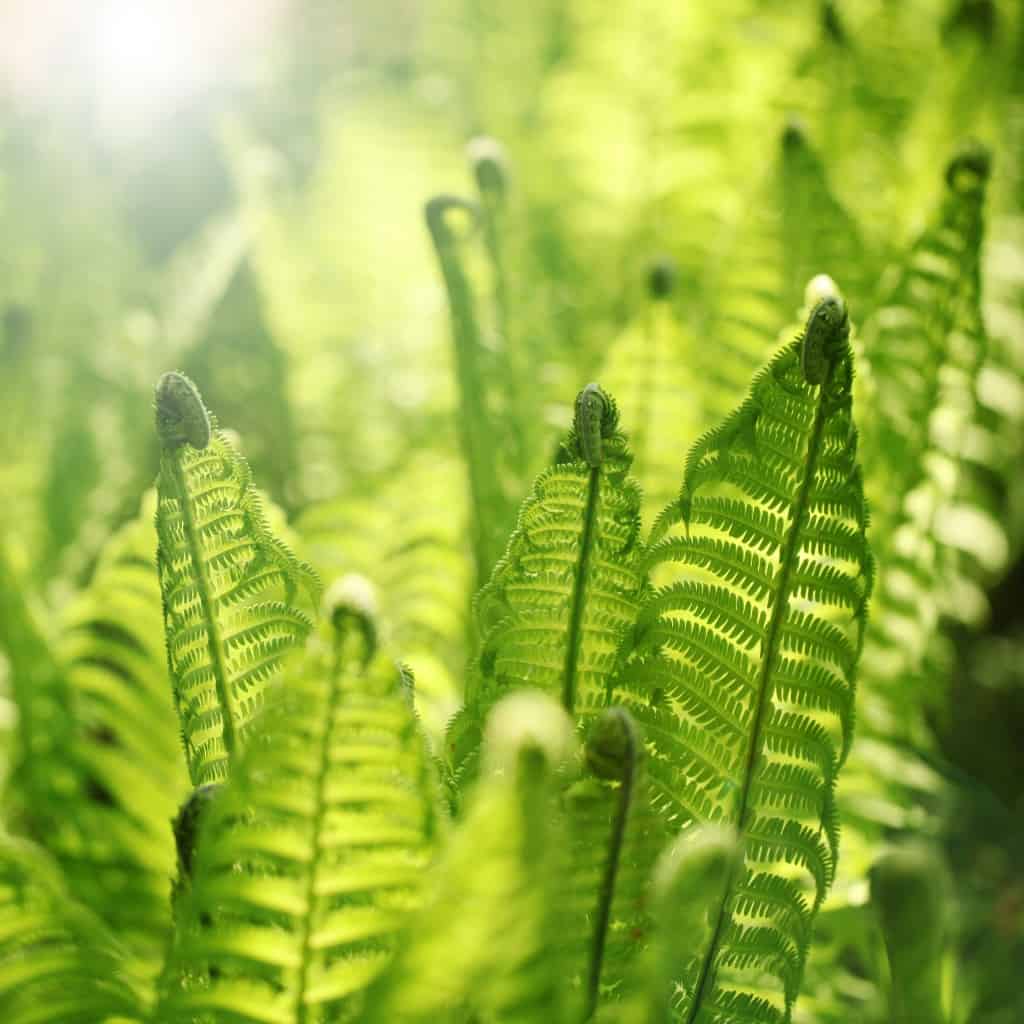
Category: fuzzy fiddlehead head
[181,416]
[825,337]
[490,168]
[596,417]
[526,728]
[661,278]
[613,747]
[450,219]
[350,606]
[186,826]
[968,171]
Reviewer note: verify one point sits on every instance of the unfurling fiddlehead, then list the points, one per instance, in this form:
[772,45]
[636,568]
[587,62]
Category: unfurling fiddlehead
[828,329]
[613,753]
[217,558]
[181,416]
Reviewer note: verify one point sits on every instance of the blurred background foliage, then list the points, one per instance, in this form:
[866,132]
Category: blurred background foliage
[237,191]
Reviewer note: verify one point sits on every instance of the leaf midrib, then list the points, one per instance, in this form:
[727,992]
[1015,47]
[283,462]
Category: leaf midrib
[786,565]
[319,808]
[207,602]
[579,595]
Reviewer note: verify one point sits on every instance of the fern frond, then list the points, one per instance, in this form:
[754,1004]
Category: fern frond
[114,843]
[416,552]
[482,371]
[489,939]
[649,370]
[794,229]
[57,962]
[616,834]
[309,860]
[924,348]
[742,678]
[220,567]
[99,786]
[559,603]
[687,886]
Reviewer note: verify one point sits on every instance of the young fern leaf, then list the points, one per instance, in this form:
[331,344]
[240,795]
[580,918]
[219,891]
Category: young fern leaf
[615,833]
[490,939]
[649,370]
[310,858]
[743,672]
[113,845]
[687,887]
[924,348]
[217,559]
[57,962]
[795,228]
[566,592]
[415,551]
[479,407]
[101,772]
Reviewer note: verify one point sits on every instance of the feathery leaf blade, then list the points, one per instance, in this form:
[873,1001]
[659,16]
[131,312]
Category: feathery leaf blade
[57,962]
[742,675]
[309,861]
[561,601]
[218,562]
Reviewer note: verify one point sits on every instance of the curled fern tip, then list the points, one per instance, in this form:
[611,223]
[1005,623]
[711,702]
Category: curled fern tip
[828,328]
[968,171]
[661,277]
[490,165]
[596,417]
[181,417]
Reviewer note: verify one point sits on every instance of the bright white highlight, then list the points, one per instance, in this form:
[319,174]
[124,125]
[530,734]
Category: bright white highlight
[146,53]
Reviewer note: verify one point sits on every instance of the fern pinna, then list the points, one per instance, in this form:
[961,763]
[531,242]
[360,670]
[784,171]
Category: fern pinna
[753,647]
[216,556]
[308,861]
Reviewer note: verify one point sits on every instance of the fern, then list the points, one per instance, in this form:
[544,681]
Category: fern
[648,368]
[742,675]
[559,603]
[481,371]
[416,552]
[309,860]
[924,347]
[216,556]
[687,885]
[793,229]
[616,834]
[494,907]
[113,842]
[57,962]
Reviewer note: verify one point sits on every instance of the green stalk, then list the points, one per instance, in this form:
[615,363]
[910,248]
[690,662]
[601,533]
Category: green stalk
[613,751]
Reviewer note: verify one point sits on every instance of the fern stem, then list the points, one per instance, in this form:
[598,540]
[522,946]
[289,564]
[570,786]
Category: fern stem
[786,564]
[627,764]
[579,594]
[214,643]
[474,425]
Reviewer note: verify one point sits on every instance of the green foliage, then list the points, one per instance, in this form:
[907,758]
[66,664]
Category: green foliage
[613,792]
[58,962]
[755,642]
[559,603]
[216,555]
[308,860]
[909,889]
